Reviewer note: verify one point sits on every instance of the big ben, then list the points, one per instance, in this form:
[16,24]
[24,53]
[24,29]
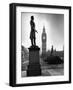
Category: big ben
[44,41]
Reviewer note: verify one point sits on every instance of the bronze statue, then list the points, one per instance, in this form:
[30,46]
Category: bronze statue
[32,33]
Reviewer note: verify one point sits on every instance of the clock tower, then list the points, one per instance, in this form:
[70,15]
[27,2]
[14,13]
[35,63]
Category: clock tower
[43,41]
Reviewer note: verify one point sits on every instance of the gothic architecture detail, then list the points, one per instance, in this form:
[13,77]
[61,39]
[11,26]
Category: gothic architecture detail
[44,37]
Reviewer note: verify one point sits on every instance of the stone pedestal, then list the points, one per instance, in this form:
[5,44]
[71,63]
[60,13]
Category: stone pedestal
[34,68]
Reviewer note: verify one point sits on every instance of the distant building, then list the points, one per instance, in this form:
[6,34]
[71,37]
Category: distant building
[44,37]
[24,58]
[24,54]
[56,53]
[52,50]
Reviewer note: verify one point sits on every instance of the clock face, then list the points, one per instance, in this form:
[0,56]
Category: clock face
[44,37]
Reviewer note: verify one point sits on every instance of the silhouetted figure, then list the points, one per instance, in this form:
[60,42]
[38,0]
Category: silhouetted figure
[34,68]
[52,50]
[32,33]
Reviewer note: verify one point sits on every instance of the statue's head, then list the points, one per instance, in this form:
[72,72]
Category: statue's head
[32,17]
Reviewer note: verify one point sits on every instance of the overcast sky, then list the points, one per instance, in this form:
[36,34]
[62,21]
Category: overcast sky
[54,27]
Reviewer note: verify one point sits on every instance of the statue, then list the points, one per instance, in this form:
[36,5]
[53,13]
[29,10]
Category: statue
[34,67]
[32,33]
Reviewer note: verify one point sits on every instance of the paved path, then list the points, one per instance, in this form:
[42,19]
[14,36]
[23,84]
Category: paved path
[51,70]
[47,70]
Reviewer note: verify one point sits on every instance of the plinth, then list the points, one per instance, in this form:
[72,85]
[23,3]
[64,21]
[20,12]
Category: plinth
[34,68]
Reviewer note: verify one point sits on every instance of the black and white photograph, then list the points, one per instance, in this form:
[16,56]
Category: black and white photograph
[42,44]
[40,41]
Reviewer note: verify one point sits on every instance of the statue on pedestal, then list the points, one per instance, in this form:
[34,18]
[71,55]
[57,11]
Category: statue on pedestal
[32,33]
[34,68]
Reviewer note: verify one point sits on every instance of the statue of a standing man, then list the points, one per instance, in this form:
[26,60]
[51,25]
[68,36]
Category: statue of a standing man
[32,33]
